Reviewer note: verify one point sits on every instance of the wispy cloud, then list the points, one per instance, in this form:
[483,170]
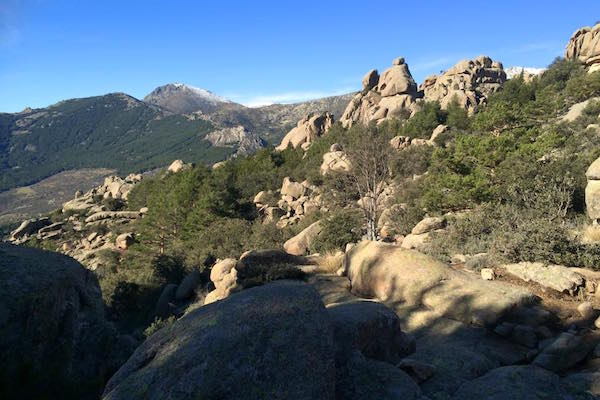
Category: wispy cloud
[430,64]
[257,100]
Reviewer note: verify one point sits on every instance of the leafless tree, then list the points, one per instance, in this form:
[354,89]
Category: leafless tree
[370,155]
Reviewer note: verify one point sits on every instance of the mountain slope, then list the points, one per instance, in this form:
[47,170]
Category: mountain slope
[113,131]
[119,132]
[274,121]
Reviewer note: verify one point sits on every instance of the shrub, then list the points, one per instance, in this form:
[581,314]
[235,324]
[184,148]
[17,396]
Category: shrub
[125,299]
[413,160]
[343,226]
[422,124]
[159,324]
[113,204]
[168,269]
[457,117]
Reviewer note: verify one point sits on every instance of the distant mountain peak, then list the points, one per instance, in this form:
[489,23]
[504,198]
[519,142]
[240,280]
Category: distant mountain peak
[207,94]
[184,99]
[514,71]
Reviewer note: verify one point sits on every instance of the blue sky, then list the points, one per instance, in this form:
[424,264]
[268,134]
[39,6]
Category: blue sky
[261,51]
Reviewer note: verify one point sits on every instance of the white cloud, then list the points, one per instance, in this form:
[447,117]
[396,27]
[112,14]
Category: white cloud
[284,97]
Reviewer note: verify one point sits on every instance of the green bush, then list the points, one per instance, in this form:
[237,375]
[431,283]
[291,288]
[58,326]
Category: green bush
[168,268]
[341,227]
[424,121]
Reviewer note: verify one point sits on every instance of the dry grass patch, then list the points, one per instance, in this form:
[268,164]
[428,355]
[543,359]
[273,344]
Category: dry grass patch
[330,262]
[591,234]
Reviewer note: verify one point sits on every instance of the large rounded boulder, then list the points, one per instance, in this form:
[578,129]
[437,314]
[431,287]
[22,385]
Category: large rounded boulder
[268,342]
[54,340]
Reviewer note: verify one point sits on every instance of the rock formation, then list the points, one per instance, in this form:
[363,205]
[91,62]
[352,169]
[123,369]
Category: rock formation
[335,160]
[584,46]
[82,229]
[470,82]
[391,273]
[392,94]
[294,346]
[299,245]
[55,340]
[237,136]
[296,200]
[253,268]
[556,277]
[592,190]
[178,165]
[308,129]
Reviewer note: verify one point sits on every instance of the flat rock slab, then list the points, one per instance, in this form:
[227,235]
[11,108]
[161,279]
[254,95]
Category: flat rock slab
[556,277]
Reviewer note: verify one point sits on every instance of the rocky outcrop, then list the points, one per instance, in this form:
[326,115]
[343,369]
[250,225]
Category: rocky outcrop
[28,228]
[55,340]
[299,245]
[224,277]
[584,46]
[296,200]
[124,240]
[112,215]
[565,351]
[335,161]
[420,234]
[392,94]
[307,130]
[576,110]
[372,328]
[470,82]
[292,345]
[113,187]
[83,230]
[390,273]
[237,136]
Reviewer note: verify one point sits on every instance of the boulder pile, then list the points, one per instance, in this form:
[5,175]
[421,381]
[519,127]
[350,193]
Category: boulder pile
[470,82]
[335,160]
[83,228]
[113,187]
[296,200]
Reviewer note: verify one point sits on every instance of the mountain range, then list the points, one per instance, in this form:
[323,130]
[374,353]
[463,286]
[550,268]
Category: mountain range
[120,132]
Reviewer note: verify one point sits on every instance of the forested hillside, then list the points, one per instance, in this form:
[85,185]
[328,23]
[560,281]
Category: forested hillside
[113,131]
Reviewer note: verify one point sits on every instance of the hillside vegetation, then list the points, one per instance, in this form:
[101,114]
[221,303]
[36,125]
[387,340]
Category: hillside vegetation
[113,131]
[510,179]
